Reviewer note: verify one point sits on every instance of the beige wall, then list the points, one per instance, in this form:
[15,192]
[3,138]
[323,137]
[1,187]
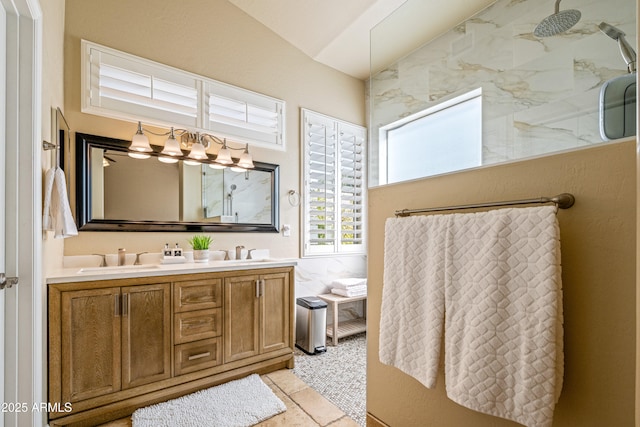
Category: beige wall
[52,96]
[598,237]
[216,40]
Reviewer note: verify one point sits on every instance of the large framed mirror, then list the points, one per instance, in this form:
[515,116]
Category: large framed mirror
[115,192]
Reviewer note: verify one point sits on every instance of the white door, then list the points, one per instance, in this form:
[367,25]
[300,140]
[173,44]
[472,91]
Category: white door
[21,307]
[3,101]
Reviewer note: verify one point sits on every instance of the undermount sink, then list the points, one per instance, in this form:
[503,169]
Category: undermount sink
[118,268]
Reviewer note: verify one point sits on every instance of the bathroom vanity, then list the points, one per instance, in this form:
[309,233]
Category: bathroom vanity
[120,339]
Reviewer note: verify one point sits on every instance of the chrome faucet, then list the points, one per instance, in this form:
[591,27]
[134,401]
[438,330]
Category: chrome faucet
[103,263]
[239,252]
[249,253]
[138,258]
[122,256]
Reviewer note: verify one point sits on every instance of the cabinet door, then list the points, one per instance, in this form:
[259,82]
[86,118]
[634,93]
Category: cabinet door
[275,311]
[146,334]
[90,343]
[241,317]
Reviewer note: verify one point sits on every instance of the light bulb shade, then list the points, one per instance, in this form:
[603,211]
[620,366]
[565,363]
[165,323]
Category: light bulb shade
[237,169]
[216,166]
[168,159]
[224,156]
[138,155]
[140,142]
[197,152]
[191,162]
[246,161]
[171,147]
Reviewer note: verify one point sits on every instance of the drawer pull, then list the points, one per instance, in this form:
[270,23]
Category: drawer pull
[199,356]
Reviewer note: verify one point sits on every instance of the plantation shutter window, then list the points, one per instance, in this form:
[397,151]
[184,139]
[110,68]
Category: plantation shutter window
[334,185]
[351,142]
[247,116]
[123,86]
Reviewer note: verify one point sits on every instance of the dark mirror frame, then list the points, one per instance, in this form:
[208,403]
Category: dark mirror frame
[84,143]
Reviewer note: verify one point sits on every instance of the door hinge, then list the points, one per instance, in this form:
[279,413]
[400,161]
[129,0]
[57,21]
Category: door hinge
[7,282]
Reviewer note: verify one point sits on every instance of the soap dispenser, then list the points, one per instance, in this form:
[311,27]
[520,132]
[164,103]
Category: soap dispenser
[177,250]
[167,250]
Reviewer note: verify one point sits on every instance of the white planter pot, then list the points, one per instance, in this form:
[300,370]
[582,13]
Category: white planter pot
[201,255]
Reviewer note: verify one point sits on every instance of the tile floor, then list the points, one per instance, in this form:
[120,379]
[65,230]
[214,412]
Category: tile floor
[305,406]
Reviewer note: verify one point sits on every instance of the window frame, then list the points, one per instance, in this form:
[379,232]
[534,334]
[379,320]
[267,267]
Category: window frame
[383,131]
[345,193]
[271,136]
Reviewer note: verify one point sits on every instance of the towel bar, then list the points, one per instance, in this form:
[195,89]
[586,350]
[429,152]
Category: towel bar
[563,201]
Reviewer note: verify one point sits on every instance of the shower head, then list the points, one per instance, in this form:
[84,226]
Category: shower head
[611,31]
[628,54]
[557,23]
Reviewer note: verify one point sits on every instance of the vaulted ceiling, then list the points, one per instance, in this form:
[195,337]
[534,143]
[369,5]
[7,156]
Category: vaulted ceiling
[337,32]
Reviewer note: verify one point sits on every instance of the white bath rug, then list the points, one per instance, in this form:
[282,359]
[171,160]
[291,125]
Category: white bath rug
[239,403]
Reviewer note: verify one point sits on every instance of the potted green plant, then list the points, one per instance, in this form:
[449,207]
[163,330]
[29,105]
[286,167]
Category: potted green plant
[200,244]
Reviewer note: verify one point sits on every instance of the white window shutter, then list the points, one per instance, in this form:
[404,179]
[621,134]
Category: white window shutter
[119,85]
[244,116]
[334,185]
[351,143]
[122,86]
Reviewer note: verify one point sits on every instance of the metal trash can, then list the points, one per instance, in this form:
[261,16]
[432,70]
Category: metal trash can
[311,325]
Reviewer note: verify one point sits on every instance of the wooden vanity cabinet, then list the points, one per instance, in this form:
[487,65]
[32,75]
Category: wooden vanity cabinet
[110,339]
[257,315]
[117,345]
[146,334]
[90,342]
[197,324]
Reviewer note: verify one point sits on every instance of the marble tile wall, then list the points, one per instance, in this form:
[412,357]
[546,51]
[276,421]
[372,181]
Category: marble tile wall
[540,95]
[315,275]
[248,202]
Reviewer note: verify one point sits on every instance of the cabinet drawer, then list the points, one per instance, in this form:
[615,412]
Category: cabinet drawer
[198,355]
[197,295]
[197,325]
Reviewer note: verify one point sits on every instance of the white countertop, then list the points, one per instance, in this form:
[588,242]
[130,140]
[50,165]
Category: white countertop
[79,274]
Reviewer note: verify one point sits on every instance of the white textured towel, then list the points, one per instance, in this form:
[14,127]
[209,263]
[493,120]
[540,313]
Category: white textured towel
[355,291]
[496,276]
[503,327]
[56,213]
[412,313]
[349,283]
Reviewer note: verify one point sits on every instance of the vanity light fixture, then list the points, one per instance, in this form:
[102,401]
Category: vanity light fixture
[140,145]
[224,155]
[198,152]
[171,145]
[140,142]
[246,161]
[197,143]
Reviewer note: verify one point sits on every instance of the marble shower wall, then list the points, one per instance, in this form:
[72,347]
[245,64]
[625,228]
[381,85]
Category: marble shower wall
[540,95]
[249,201]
